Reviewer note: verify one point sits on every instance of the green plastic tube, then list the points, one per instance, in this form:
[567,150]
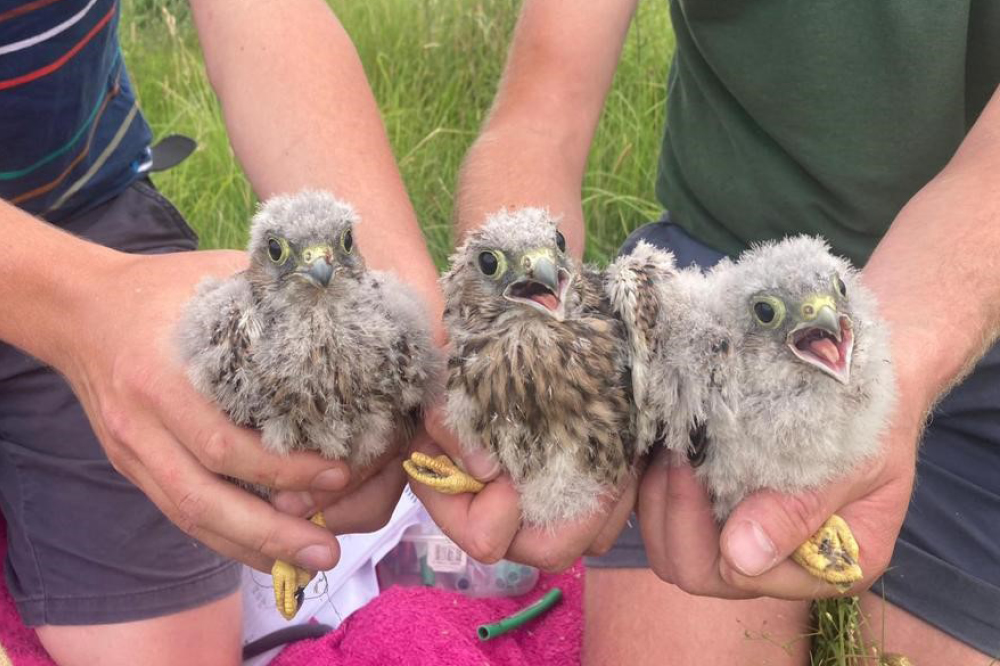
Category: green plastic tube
[526,614]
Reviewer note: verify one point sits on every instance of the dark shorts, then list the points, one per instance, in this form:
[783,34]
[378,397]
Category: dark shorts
[946,565]
[85,545]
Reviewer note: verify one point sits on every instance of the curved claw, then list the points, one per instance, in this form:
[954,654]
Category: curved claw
[290,581]
[831,554]
[441,474]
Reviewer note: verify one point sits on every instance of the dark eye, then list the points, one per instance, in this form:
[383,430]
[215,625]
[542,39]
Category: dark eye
[560,242]
[764,311]
[274,250]
[488,263]
[769,311]
[841,287]
[347,241]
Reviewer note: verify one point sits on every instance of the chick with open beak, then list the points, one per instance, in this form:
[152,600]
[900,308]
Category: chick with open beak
[538,370]
[540,283]
[823,338]
[776,374]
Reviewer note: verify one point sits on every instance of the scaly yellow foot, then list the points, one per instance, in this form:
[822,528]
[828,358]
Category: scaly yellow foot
[441,474]
[290,582]
[831,554]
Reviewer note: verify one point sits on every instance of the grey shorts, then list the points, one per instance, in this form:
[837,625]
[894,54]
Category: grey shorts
[946,565]
[85,545]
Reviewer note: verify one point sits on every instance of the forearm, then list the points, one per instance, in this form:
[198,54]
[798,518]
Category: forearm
[937,271]
[533,149]
[45,277]
[300,113]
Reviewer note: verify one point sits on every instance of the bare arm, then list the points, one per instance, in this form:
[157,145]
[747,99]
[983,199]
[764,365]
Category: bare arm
[299,113]
[533,149]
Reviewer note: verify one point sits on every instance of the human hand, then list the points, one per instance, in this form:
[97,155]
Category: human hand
[166,438]
[487,525]
[749,556]
[365,504]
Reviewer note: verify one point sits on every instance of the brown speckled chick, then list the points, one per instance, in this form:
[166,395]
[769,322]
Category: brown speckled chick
[538,372]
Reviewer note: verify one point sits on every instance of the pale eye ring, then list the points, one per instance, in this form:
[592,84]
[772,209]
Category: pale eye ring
[768,311]
[489,263]
[277,250]
[839,286]
[347,241]
[560,241]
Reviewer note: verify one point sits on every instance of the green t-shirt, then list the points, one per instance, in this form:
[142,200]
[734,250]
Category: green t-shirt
[818,116]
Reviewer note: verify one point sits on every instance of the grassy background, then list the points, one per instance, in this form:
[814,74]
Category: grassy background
[433,65]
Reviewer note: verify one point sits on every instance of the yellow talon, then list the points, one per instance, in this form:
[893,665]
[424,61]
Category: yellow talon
[831,554]
[441,474]
[290,581]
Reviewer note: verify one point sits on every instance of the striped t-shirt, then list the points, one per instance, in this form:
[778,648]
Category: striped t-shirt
[71,135]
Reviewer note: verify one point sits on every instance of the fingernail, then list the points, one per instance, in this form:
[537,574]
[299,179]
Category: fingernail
[678,459]
[750,549]
[481,464]
[295,502]
[315,558]
[332,479]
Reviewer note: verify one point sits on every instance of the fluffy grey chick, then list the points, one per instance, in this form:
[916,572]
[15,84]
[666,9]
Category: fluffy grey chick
[538,372]
[776,373]
[641,287]
[306,345]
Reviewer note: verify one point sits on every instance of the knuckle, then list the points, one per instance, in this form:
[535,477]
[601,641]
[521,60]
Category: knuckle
[552,562]
[485,548]
[267,541]
[662,570]
[687,581]
[190,512]
[118,423]
[213,451]
[600,547]
[801,513]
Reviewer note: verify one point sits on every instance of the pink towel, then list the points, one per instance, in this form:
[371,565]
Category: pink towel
[411,626]
[20,642]
[404,625]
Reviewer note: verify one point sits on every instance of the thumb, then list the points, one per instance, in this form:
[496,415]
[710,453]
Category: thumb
[478,462]
[767,526]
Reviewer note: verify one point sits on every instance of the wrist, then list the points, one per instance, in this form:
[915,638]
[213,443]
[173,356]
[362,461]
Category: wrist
[47,288]
[513,167]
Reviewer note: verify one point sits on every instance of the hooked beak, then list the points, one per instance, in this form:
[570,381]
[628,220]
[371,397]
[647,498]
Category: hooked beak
[543,286]
[825,339]
[317,268]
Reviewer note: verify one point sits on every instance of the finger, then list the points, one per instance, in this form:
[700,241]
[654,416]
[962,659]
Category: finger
[767,526]
[651,510]
[225,448]
[875,521]
[482,524]
[308,502]
[689,534]
[370,507]
[476,461]
[554,548]
[210,509]
[617,520]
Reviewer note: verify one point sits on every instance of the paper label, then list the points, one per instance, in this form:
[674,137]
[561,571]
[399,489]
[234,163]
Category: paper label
[444,556]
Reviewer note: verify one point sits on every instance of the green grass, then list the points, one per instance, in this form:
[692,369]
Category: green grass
[431,108]
[433,65]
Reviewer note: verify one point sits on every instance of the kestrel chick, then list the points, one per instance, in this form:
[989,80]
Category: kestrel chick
[308,346]
[776,373]
[538,373]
